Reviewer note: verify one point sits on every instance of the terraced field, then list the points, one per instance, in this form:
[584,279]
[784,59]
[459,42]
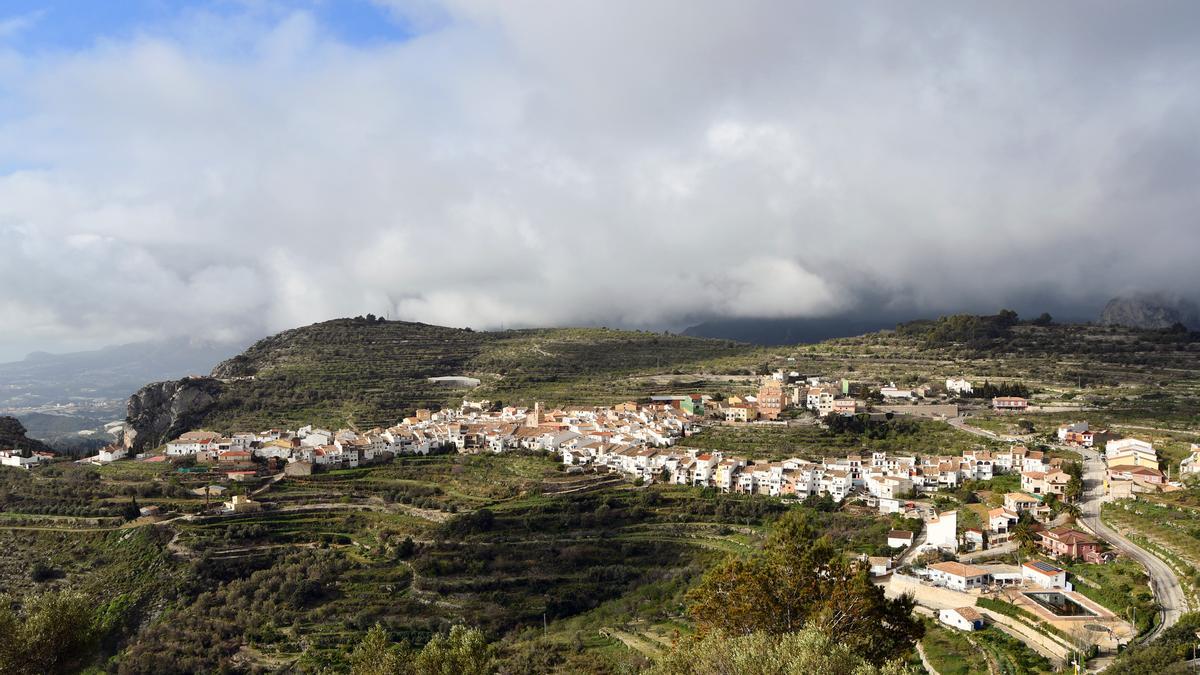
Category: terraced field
[986,651]
[814,442]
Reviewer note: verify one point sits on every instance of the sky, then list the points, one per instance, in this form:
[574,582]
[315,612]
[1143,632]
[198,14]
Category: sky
[224,169]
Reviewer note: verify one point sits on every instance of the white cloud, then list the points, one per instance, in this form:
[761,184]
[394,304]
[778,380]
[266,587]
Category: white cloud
[13,26]
[618,162]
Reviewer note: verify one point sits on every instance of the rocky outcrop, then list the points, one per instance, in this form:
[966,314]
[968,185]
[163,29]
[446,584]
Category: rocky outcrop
[12,436]
[1150,311]
[161,411]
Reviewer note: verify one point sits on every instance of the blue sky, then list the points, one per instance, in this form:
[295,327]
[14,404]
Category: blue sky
[53,25]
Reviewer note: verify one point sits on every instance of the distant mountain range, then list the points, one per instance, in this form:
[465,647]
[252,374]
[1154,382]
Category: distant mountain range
[109,373]
[57,396]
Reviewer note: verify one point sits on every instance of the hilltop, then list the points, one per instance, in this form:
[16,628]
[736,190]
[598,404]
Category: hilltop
[367,372]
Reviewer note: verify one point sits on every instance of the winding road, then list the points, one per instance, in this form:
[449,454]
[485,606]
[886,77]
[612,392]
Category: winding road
[1163,580]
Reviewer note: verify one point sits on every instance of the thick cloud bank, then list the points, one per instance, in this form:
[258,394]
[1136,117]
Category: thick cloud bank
[633,163]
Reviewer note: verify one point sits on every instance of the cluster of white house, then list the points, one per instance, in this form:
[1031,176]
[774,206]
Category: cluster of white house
[13,457]
[886,479]
[473,427]
[1132,465]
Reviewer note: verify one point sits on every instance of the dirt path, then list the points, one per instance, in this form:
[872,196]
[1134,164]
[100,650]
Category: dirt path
[594,485]
[635,642]
[267,486]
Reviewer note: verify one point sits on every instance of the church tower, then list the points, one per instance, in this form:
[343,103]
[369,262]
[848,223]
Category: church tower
[534,417]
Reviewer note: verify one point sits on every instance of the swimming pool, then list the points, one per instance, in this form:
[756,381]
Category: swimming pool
[1060,604]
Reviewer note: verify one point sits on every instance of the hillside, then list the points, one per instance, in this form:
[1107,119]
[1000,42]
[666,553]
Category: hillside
[368,372]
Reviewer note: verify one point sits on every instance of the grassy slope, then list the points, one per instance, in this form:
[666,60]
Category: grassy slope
[372,373]
[368,374]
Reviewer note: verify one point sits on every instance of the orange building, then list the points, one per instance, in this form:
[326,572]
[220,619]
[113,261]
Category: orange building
[770,399]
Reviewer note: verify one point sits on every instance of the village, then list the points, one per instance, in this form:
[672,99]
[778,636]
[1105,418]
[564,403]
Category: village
[966,555]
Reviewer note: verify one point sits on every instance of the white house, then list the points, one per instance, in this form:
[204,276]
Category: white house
[110,453]
[12,458]
[1001,520]
[1019,502]
[880,565]
[819,397]
[891,391]
[1124,446]
[959,386]
[963,618]
[836,484]
[900,539]
[941,532]
[193,442]
[1044,574]
[957,576]
[887,506]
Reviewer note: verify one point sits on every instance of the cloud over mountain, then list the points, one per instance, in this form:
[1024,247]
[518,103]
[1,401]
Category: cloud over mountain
[217,173]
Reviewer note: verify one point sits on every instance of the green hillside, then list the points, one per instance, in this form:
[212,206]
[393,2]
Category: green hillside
[369,372]
[372,372]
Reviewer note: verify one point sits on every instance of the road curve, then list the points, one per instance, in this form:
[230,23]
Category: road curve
[1163,580]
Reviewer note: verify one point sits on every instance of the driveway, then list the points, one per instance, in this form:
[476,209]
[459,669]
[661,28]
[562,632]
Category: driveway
[1163,580]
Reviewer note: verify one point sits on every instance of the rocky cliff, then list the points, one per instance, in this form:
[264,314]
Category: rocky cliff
[1150,311]
[12,436]
[161,411]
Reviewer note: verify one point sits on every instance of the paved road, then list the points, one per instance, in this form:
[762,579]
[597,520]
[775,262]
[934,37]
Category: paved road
[960,423]
[918,539]
[1163,580]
